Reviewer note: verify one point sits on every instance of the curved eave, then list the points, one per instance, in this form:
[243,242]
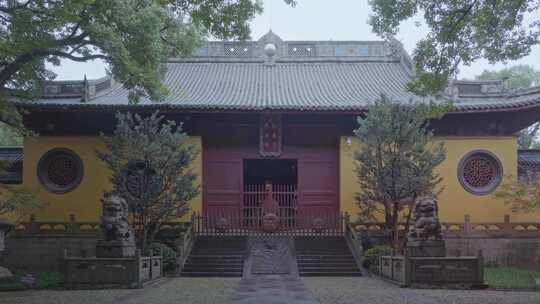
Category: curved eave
[508,107]
[458,109]
[188,108]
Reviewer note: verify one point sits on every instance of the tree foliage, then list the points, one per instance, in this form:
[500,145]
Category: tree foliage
[460,32]
[396,160]
[518,77]
[521,196]
[134,37]
[9,136]
[17,202]
[161,146]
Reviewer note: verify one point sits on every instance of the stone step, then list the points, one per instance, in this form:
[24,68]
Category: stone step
[331,274]
[214,262]
[188,268]
[324,257]
[327,269]
[211,274]
[339,264]
[217,256]
[221,253]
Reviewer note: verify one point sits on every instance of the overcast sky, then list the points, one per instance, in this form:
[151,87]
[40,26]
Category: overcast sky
[316,20]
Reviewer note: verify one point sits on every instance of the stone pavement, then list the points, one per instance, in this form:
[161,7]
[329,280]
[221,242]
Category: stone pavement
[370,290]
[272,289]
[356,290]
[271,275]
[270,255]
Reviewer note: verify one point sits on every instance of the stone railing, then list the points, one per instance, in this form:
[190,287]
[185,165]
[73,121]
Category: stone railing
[188,239]
[355,242]
[74,227]
[467,228]
[71,227]
[124,272]
[433,271]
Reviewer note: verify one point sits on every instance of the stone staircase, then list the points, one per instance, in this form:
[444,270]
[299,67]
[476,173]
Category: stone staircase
[216,256]
[325,256]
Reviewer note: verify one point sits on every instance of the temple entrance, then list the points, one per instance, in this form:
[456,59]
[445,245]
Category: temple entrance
[302,185]
[274,171]
[270,188]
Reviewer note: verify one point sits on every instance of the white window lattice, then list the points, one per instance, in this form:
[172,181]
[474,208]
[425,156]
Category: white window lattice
[238,50]
[302,50]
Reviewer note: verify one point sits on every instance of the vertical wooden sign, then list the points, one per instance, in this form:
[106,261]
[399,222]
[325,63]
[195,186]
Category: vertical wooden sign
[270,135]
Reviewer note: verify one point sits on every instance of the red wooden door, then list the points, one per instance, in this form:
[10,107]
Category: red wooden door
[318,187]
[222,189]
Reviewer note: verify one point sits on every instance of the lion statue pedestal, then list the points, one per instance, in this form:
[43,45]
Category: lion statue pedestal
[119,238]
[425,238]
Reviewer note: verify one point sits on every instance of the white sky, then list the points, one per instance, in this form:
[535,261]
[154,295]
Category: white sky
[316,20]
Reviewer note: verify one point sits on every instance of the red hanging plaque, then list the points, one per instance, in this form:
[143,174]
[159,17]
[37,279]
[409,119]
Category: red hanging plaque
[270,135]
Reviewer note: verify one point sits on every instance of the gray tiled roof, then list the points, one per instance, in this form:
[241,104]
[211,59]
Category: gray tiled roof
[529,158]
[257,86]
[298,75]
[11,154]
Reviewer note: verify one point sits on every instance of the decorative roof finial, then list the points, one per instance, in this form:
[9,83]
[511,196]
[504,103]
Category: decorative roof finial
[270,37]
[86,90]
[270,49]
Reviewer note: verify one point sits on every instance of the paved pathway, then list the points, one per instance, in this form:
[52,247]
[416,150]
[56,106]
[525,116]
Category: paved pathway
[364,290]
[272,289]
[359,290]
[270,255]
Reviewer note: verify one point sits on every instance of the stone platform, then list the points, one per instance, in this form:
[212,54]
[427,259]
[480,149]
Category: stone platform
[270,255]
[272,289]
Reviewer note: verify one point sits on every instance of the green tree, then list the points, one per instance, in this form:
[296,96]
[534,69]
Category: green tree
[17,203]
[396,160]
[9,137]
[460,32]
[522,195]
[518,77]
[149,159]
[134,37]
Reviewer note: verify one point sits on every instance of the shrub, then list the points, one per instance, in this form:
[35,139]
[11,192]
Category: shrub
[371,256]
[43,280]
[168,255]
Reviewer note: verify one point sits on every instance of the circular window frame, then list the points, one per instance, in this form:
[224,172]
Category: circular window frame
[47,183]
[493,184]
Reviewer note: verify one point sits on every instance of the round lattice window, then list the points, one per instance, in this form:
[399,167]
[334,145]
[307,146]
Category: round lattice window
[480,172]
[60,170]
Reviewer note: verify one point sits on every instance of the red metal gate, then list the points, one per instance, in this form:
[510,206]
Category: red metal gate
[260,200]
[284,196]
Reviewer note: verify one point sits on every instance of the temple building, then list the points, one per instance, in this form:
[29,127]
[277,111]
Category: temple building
[278,112]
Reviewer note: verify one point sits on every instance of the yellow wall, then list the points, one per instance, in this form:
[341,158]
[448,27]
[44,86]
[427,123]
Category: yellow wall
[454,201]
[83,201]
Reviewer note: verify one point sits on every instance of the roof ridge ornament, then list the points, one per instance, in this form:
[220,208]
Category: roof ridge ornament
[395,47]
[270,52]
[271,37]
[86,90]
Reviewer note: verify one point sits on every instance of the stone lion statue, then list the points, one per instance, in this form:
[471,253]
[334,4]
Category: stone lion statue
[426,225]
[114,219]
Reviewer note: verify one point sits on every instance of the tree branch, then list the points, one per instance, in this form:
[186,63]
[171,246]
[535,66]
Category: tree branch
[10,69]
[11,8]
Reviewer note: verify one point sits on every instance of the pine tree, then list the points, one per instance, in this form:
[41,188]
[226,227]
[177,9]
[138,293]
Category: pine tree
[396,161]
[150,162]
